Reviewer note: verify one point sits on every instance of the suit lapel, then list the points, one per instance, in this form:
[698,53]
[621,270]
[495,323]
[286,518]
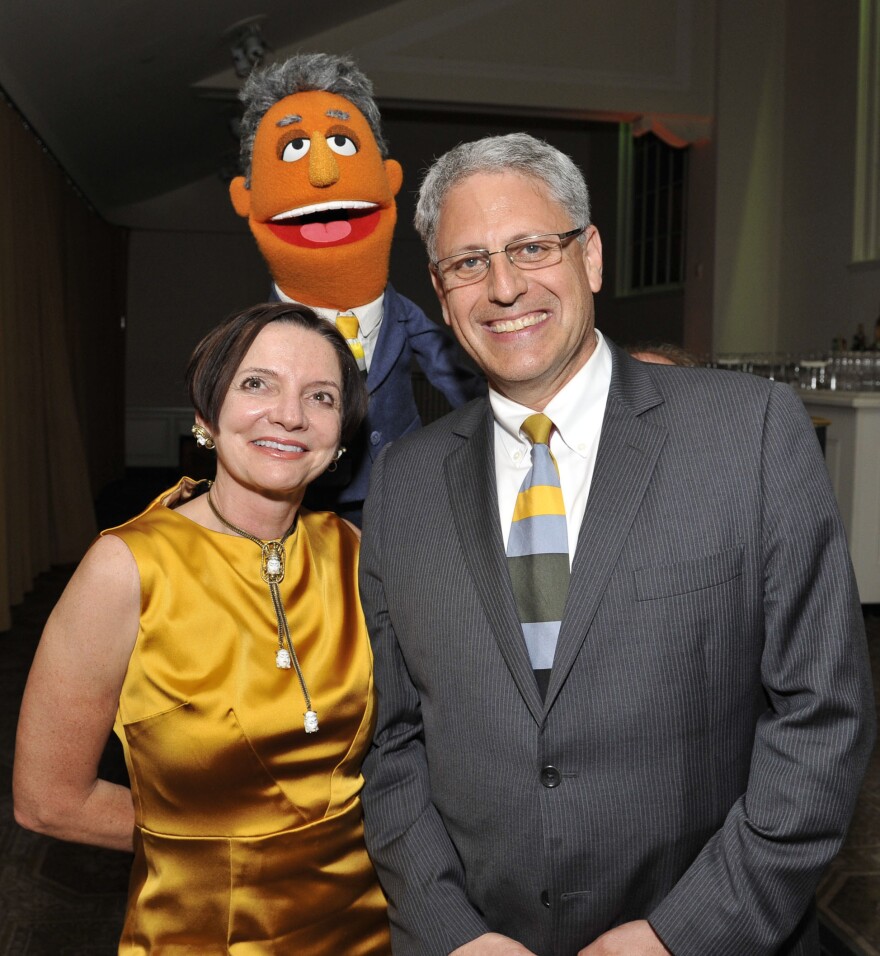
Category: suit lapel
[629,447]
[470,477]
[389,344]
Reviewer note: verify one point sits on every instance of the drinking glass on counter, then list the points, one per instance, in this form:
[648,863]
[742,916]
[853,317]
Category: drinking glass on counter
[813,373]
[855,371]
[846,371]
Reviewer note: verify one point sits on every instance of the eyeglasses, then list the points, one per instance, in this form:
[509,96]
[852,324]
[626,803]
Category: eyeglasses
[533,252]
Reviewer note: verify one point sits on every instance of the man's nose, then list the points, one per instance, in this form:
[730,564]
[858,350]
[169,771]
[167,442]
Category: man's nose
[506,282]
[323,168]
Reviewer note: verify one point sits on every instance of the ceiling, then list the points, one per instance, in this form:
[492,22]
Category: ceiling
[111,87]
[135,97]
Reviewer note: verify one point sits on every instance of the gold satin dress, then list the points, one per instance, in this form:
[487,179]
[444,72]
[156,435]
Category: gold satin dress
[248,834]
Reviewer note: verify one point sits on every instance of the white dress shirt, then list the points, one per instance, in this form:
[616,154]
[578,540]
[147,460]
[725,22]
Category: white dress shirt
[577,411]
[369,318]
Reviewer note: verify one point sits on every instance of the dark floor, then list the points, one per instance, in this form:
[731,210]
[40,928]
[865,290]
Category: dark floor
[60,899]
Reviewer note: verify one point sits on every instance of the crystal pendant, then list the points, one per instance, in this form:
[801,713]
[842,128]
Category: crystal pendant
[282,659]
[311,721]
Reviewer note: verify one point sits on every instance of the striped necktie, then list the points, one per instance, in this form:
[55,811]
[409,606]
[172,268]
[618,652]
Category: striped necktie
[347,324]
[537,551]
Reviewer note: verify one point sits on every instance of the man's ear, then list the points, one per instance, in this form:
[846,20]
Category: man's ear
[394,172]
[240,196]
[441,293]
[592,253]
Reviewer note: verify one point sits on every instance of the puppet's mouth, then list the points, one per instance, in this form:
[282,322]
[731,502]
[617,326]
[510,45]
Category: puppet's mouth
[325,224]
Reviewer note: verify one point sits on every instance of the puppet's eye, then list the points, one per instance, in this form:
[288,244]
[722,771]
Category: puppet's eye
[343,145]
[295,149]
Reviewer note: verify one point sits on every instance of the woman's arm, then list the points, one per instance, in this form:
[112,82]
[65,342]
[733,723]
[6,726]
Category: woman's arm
[70,703]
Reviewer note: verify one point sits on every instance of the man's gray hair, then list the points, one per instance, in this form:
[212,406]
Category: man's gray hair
[304,73]
[515,152]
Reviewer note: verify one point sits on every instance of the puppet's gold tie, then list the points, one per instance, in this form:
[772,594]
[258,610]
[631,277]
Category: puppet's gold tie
[347,324]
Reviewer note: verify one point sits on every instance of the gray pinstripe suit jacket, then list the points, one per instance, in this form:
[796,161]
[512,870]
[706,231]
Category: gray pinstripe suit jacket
[709,711]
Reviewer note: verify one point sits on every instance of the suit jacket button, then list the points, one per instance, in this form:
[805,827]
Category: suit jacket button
[551,777]
[375,438]
[545,899]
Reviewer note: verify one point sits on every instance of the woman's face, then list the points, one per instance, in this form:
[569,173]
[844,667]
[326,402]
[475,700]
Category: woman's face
[279,424]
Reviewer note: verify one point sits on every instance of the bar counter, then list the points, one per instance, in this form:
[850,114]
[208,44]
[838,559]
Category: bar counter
[852,452]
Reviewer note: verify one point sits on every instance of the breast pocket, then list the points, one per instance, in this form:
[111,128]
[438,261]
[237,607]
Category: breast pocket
[688,577]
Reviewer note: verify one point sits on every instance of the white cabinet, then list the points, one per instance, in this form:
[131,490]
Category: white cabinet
[852,452]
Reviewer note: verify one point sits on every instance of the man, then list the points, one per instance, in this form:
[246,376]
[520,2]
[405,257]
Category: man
[669,767]
[318,193]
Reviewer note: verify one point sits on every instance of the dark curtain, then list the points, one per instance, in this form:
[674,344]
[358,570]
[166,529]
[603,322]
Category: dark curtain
[62,294]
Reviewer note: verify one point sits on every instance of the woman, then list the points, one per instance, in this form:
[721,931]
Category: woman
[220,634]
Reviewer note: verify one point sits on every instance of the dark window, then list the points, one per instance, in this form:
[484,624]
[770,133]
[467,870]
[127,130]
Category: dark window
[653,190]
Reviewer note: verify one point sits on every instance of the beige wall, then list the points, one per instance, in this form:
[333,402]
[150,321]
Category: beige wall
[785,148]
[748,174]
[823,295]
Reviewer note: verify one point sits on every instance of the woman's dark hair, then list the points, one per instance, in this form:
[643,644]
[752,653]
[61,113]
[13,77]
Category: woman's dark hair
[215,359]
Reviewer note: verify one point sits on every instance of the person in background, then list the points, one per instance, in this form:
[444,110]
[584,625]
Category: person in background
[220,635]
[663,353]
[624,697]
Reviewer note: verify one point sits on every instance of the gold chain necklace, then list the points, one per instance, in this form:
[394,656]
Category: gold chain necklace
[272,572]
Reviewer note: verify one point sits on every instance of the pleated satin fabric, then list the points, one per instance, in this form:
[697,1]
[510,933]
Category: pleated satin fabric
[249,834]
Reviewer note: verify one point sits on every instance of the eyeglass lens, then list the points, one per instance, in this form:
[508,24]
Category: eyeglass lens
[532,252]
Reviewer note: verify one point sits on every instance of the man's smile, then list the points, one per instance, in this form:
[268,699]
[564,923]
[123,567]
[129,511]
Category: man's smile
[516,324]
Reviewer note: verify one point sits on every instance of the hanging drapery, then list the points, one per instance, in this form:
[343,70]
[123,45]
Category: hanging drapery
[49,311]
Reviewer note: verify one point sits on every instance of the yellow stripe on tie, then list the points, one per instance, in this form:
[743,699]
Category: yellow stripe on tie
[538,500]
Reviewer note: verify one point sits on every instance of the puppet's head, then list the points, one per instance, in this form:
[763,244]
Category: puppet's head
[318,190]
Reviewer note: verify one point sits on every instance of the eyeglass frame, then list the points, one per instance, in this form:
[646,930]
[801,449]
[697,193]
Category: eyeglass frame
[563,238]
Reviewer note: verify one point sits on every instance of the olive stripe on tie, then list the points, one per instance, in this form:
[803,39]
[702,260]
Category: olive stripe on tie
[537,551]
[348,325]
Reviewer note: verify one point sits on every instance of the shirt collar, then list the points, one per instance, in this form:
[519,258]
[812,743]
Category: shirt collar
[369,316]
[576,409]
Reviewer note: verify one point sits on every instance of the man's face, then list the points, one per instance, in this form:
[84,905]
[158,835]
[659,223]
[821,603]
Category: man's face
[530,331]
[321,201]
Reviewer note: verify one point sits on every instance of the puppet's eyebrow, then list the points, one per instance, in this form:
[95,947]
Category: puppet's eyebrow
[289,120]
[337,114]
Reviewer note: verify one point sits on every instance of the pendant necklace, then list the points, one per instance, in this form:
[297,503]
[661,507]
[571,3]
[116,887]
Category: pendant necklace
[272,572]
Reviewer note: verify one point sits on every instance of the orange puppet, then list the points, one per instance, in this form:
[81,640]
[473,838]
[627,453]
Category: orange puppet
[321,200]
[318,193]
